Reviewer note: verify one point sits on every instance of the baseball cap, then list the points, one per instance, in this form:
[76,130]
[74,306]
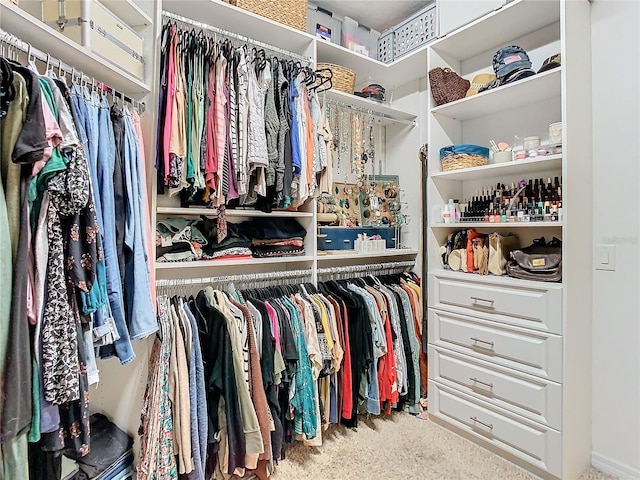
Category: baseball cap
[480,83]
[551,62]
[510,59]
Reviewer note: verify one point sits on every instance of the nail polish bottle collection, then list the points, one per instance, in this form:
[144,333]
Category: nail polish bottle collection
[529,201]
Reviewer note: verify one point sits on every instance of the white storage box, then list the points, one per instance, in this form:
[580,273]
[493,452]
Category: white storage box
[323,25]
[359,38]
[100,31]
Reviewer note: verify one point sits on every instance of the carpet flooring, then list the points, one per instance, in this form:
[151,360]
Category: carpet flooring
[400,446]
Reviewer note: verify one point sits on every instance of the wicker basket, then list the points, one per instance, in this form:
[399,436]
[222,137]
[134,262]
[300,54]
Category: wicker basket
[343,79]
[462,160]
[288,12]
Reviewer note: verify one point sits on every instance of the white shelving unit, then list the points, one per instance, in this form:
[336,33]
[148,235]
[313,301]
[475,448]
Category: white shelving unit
[18,21]
[399,121]
[510,359]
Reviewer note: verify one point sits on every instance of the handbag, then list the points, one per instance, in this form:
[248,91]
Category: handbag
[539,261]
[499,249]
[447,86]
[480,247]
[471,235]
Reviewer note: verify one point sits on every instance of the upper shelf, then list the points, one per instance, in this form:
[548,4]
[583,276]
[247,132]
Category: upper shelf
[387,114]
[29,29]
[128,12]
[517,167]
[211,212]
[498,28]
[242,22]
[524,92]
[399,72]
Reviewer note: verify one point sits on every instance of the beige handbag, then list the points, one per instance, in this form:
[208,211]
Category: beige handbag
[458,260]
[481,255]
[499,248]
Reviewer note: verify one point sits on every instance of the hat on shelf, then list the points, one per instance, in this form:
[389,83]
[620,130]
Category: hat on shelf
[551,62]
[512,63]
[372,91]
[480,83]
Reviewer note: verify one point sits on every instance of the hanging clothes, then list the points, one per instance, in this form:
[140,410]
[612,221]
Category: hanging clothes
[280,364]
[71,203]
[235,128]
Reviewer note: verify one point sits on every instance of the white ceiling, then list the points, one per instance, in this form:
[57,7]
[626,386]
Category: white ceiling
[377,14]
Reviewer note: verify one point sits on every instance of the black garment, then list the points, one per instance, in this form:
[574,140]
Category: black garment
[44,465]
[411,383]
[7,90]
[360,343]
[16,407]
[265,228]
[32,140]
[217,358]
[119,186]
[162,107]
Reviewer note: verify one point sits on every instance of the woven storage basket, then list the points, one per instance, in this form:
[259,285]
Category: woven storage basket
[288,12]
[343,78]
[462,160]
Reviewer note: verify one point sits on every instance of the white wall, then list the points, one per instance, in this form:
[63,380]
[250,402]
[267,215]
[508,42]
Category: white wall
[616,209]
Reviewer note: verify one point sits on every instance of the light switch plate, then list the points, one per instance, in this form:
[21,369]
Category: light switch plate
[605,257]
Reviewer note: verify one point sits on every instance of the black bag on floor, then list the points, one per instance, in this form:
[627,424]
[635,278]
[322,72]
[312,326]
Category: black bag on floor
[108,445]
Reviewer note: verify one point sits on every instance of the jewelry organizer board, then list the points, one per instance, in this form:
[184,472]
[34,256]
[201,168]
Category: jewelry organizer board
[385,190]
[348,200]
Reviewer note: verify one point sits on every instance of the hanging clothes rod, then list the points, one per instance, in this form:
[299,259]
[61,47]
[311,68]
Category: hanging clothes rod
[251,277]
[231,35]
[368,111]
[370,268]
[12,41]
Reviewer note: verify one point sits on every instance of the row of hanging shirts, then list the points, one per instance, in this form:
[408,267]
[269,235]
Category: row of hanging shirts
[235,375]
[236,126]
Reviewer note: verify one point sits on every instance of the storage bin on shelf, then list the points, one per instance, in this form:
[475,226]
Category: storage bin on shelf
[99,30]
[288,12]
[417,30]
[323,25]
[343,79]
[454,157]
[344,238]
[360,39]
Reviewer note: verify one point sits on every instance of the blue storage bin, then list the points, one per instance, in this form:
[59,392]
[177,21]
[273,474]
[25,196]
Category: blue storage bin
[343,238]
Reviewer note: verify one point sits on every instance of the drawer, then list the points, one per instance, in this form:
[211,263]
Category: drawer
[533,443]
[536,353]
[502,299]
[536,399]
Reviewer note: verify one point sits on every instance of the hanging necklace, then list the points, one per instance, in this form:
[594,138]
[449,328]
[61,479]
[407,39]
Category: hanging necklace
[356,162]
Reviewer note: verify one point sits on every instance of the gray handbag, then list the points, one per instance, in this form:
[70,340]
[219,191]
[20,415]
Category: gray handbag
[540,261]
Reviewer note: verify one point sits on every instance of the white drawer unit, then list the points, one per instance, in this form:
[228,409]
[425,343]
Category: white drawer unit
[529,441]
[529,396]
[527,304]
[524,350]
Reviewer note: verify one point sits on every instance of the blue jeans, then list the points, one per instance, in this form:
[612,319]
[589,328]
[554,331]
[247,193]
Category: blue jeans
[106,162]
[142,318]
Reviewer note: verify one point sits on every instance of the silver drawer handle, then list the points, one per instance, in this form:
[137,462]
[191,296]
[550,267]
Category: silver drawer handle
[478,300]
[475,380]
[490,427]
[479,340]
